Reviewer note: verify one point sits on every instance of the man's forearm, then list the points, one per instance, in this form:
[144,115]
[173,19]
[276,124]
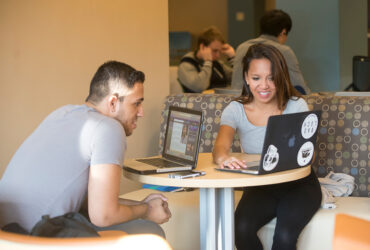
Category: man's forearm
[122,213]
[128,202]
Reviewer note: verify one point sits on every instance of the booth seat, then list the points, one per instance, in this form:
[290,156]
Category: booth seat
[342,147]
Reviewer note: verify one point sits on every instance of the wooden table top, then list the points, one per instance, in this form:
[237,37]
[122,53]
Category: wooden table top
[218,179]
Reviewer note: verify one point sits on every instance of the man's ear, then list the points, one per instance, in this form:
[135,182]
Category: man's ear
[112,103]
[283,32]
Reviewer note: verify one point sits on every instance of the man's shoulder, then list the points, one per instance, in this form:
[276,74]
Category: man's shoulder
[189,55]
[245,45]
[283,48]
[83,113]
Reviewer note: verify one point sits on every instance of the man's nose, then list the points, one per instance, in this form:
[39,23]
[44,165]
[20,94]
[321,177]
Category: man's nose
[140,112]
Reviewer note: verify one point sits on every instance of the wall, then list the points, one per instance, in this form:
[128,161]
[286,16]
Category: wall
[352,35]
[242,29]
[50,49]
[194,16]
[325,36]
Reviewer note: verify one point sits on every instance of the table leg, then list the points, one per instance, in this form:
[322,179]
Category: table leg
[226,205]
[208,218]
[216,210]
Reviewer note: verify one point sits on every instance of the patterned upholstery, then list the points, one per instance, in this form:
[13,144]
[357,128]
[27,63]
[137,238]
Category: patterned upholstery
[343,140]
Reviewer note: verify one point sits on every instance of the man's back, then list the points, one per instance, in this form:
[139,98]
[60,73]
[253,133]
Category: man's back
[49,172]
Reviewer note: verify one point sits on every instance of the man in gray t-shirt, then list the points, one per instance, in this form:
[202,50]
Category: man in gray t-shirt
[77,153]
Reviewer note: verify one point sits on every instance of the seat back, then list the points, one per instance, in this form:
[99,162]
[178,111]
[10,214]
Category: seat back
[211,105]
[343,144]
[343,138]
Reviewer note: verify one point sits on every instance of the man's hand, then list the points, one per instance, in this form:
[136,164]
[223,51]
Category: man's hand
[227,50]
[158,211]
[154,196]
[205,53]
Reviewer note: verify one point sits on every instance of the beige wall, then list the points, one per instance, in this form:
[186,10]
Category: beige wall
[49,50]
[194,15]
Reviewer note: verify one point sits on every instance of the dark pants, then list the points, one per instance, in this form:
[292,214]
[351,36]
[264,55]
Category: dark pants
[293,204]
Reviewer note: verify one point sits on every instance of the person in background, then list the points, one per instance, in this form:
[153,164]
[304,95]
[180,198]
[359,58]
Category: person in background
[275,26]
[77,153]
[267,91]
[201,69]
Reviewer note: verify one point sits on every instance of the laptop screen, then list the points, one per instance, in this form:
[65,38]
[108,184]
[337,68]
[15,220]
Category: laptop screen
[183,129]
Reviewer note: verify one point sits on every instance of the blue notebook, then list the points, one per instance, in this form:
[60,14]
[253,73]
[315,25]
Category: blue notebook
[160,188]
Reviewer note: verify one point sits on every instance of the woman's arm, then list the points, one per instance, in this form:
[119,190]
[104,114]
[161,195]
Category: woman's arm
[222,147]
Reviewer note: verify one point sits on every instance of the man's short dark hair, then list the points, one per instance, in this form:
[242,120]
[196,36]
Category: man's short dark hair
[112,72]
[274,21]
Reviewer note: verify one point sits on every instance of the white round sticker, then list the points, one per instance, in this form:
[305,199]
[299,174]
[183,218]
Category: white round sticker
[309,126]
[305,154]
[271,158]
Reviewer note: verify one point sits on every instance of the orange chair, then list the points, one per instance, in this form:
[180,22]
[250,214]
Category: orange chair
[108,240]
[351,233]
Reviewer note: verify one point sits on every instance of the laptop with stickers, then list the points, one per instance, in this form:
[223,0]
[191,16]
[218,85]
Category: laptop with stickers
[289,143]
[181,144]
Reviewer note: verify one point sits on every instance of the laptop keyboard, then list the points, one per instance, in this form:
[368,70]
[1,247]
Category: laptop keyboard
[159,162]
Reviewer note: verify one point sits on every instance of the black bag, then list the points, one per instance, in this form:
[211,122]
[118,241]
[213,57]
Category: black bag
[64,226]
[14,227]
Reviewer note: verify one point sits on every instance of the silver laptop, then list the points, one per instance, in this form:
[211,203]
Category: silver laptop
[289,143]
[181,144]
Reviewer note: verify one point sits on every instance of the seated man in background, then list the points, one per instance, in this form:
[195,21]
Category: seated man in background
[78,151]
[201,69]
[275,26]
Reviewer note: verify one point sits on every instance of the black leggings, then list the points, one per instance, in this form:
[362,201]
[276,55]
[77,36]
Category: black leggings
[293,203]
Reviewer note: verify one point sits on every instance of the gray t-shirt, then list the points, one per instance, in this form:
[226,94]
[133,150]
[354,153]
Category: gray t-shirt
[49,172]
[251,136]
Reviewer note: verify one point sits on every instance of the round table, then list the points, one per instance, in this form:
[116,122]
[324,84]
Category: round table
[217,194]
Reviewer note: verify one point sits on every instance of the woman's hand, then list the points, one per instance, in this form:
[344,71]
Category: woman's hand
[232,163]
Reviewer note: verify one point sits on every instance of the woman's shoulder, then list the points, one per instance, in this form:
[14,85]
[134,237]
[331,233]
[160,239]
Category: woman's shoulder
[234,107]
[236,104]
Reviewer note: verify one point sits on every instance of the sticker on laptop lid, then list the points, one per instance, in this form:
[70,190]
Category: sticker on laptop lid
[305,154]
[309,126]
[271,158]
